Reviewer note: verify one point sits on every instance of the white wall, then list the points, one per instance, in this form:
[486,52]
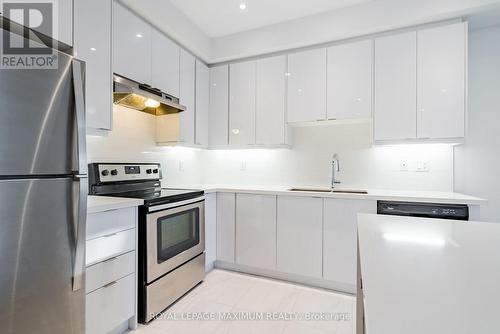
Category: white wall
[477,163]
[133,140]
[309,162]
[362,19]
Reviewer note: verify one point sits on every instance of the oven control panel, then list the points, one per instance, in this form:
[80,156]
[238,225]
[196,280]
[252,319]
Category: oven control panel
[126,172]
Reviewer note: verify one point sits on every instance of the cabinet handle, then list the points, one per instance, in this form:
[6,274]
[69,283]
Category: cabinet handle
[110,260]
[110,235]
[110,284]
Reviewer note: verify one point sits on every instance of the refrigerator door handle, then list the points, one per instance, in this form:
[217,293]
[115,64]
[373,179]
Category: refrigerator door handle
[81,222]
[78,85]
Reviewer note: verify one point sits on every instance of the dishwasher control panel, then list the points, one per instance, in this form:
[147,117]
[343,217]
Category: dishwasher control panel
[424,210]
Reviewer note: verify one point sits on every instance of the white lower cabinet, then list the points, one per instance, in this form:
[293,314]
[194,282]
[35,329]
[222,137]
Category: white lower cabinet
[110,306]
[225,226]
[300,235]
[339,240]
[256,230]
[111,282]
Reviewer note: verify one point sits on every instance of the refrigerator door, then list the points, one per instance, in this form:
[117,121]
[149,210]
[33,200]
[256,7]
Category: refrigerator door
[39,236]
[38,119]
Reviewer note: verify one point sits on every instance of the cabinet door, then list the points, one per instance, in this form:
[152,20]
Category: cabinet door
[307,86]
[256,231]
[93,45]
[441,81]
[131,45]
[395,87]
[350,80]
[300,235]
[187,97]
[65,15]
[271,96]
[242,103]
[340,240]
[202,102]
[225,226]
[164,63]
[219,106]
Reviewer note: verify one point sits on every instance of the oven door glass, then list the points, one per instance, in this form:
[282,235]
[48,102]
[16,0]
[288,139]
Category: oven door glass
[177,233]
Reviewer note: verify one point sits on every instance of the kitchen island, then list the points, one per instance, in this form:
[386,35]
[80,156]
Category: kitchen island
[428,275]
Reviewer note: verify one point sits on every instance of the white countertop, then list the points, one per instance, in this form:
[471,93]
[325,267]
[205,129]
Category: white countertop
[429,276]
[373,194]
[103,203]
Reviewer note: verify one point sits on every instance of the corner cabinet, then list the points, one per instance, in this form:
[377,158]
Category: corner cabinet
[242,103]
[218,121]
[93,45]
[131,45]
[307,86]
[226,206]
[441,64]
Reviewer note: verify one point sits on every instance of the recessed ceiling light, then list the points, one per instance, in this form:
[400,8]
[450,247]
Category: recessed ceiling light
[243,6]
[138,35]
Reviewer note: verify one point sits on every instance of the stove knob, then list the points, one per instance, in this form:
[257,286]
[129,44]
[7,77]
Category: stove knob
[105,172]
[148,171]
[155,171]
[114,172]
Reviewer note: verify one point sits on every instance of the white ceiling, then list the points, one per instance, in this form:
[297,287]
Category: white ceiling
[224,17]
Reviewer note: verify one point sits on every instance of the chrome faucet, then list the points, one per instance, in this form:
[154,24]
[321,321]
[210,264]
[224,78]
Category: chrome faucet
[335,168]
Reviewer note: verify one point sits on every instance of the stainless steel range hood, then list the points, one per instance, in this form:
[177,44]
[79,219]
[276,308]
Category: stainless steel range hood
[144,98]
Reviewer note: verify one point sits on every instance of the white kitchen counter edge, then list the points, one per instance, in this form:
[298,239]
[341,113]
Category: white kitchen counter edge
[373,194]
[103,203]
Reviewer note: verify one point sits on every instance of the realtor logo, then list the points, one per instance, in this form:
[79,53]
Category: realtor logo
[25,44]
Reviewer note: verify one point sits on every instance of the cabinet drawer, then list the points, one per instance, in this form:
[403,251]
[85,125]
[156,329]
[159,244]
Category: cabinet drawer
[106,247]
[109,271]
[110,306]
[108,222]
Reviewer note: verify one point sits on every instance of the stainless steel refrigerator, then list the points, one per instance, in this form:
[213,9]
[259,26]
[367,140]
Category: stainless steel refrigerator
[43,199]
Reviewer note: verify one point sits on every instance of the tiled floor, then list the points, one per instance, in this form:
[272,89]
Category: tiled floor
[230,294]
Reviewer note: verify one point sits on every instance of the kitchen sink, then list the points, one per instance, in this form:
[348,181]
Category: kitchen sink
[328,190]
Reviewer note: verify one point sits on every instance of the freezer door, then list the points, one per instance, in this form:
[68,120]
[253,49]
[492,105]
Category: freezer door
[38,119]
[38,252]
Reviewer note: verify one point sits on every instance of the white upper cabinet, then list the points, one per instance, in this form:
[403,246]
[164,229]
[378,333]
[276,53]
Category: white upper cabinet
[187,97]
[395,87]
[165,58]
[219,106]
[256,230]
[65,24]
[300,235]
[307,86]
[202,102]
[350,80]
[271,96]
[441,81]
[131,45]
[93,45]
[242,103]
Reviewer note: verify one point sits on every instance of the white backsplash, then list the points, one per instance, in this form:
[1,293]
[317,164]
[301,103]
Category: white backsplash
[308,163]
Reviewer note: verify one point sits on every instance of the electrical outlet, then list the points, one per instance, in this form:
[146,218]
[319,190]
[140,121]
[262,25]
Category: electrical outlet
[181,166]
[423,166]
[243,166]
[403,165]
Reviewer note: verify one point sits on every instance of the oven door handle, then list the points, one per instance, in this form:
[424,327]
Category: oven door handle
[176,204]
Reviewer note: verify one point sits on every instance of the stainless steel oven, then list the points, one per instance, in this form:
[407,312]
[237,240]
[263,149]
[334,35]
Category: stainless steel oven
[175,234]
